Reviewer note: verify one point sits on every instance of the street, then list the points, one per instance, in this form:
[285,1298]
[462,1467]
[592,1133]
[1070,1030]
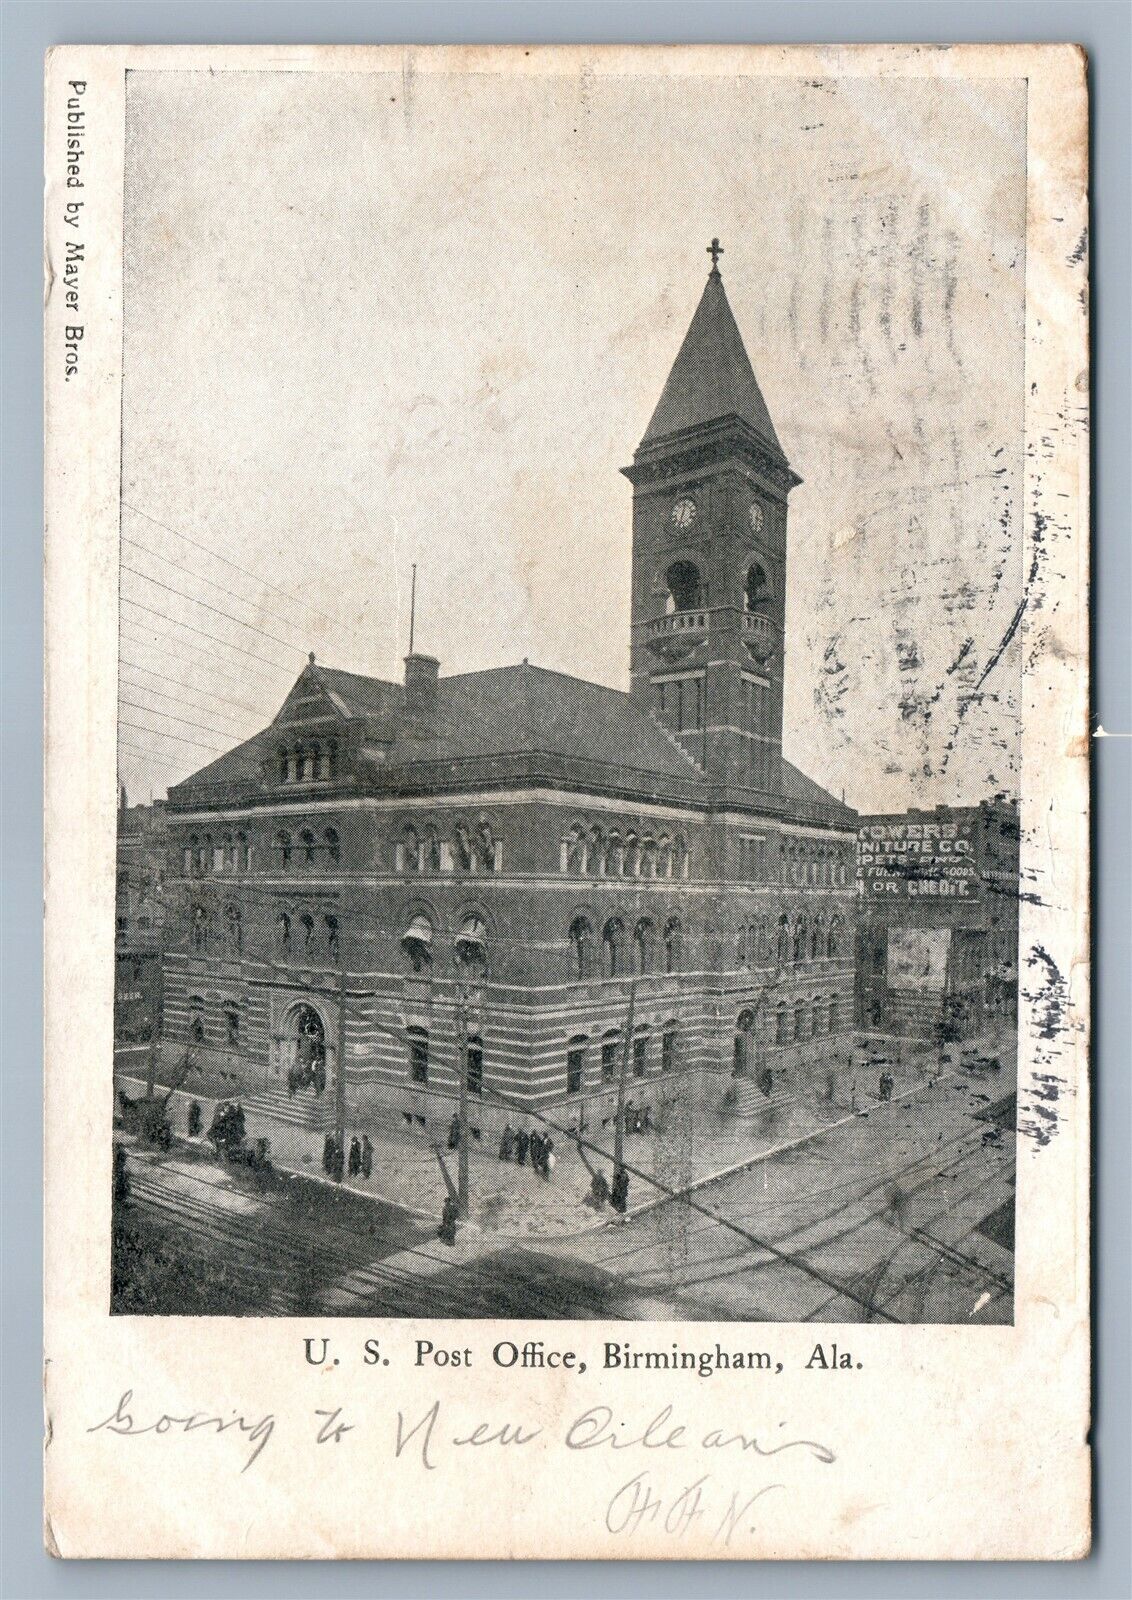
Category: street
[903,1213]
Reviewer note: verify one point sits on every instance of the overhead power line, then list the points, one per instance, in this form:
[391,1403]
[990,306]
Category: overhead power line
[209,695]
[158,733]
[167,716]
[236,567]
[175,649]
[177,623]
[207,606]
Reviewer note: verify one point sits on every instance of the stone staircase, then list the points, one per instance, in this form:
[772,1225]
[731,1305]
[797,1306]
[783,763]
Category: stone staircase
[303,1109]
[750,1101]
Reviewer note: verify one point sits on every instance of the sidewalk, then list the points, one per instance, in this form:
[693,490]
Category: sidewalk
[513,1203]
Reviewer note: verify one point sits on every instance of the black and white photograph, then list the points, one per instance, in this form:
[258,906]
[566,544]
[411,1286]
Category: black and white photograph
[568,704]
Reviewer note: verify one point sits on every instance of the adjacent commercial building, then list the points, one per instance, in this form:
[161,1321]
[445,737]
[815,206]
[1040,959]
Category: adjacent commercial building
[937,939]
[530,874]
[139,922]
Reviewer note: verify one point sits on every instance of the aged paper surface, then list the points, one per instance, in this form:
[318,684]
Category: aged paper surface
[567,803]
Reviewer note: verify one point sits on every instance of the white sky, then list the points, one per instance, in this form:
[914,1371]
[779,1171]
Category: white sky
[371,322]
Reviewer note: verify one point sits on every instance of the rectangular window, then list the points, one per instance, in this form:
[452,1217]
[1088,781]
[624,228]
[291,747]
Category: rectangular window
[418,1056]
[668,1051]
[609,1058]
[575,1063]
[640,1057]
[232,1025]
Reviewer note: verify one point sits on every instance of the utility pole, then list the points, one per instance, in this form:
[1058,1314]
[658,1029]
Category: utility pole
[619,1128]
[340,1074]
[462,1068]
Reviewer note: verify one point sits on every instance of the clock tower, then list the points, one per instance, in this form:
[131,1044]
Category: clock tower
[710,485]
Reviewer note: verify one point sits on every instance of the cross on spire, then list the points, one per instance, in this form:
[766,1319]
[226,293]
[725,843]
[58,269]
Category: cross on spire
[715,250]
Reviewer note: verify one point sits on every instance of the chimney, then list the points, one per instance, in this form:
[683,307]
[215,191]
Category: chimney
[422,676]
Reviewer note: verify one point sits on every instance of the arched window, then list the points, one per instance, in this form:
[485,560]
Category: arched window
[232,1024]
[489,853]
[800,1020]
[430,851]
[471,946]
[308,842]
[672,940]
[322,765]
[244,852]
[783,940]
[648,858]
[226,854]
[816,1019]
[199,929]
[332,945]
[283,764]
[283,934]
[613,947]
[834,1020]
[416,941]
[204,854]
[196,1019]
[800,940]
[190,861]
[418,1054]
[473,1055]
[615,855]
[575,1064]
[644,935]
[299,762]
[333,846]
[332,759]
[409,850]
[233,932]
[640,1052]
[743,1050]
[684,589]
[631,866]
[595,851]
[306,924]
[817,939]
[833,937]
[680,859]
[283,846]
[610,1053]
[664,857]
[574,849]
[463,852]
[756,588]
[780,1030]
[581,941]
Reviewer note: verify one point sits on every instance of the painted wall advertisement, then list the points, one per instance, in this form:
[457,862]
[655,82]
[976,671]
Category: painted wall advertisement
[917,959]
[917,860]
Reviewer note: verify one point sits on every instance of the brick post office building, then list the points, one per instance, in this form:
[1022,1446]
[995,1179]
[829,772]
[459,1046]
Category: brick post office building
[938,920]
[392,870]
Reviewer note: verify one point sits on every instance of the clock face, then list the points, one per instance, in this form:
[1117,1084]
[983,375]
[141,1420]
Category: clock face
[684,512]
[755,516]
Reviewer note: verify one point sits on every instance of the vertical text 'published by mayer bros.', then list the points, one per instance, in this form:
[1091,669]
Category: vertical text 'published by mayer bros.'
[74,206]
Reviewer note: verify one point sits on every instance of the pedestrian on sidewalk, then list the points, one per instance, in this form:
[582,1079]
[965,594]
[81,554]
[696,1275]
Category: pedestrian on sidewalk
[507,1144]
[454,1132]
[536,1148]
[328,1154]
[548,1157]
[367,1156]
[522,1145]
[599,1191]
[355,1162]
[446,1232]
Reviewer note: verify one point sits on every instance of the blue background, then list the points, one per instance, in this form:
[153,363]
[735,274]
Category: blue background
[1104,27]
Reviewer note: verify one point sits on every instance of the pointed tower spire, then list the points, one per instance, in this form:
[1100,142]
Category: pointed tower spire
[712,377]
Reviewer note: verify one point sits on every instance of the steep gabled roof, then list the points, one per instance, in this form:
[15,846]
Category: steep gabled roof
[712,376]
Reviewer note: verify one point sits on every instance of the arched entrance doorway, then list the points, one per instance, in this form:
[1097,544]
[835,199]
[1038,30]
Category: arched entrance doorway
[303,1049]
